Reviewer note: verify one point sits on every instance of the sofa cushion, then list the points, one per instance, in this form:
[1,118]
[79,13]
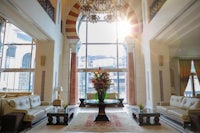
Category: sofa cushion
[176,100]
[112,96]
[34,101]
[46,108]
[10,95]
[20,103]
[2,96]
[164,108]
[181,113]
[190,103]
[35,113]
[91,95]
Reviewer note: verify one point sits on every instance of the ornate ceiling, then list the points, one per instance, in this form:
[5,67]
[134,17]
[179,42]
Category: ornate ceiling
[73,15]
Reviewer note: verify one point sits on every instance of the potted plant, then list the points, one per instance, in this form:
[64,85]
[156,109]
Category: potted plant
[141,107]
[65,106]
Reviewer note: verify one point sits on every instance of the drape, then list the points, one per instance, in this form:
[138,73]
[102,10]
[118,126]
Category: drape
[197,67]
[185,67]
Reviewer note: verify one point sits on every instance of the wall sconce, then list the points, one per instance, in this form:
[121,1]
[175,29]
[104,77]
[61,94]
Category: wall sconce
[160,60]
[42,60]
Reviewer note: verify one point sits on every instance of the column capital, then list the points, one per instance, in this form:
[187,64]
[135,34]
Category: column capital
[73,43]
[129,40]
[130,43]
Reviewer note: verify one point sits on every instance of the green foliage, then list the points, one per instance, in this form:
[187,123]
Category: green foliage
[65,106]
[96,96]
[141,106]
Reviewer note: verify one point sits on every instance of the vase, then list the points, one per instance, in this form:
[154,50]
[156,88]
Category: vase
[101,96]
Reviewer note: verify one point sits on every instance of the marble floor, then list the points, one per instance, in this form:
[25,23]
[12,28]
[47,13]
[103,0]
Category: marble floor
[42,127]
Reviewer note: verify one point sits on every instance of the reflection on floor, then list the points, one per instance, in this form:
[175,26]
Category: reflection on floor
[42,127]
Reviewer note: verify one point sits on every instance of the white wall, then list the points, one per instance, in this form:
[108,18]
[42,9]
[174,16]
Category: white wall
[160,49]
[152,48]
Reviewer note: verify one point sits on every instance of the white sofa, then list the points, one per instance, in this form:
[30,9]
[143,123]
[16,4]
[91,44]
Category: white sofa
[8,95]
[179,108]
[32,106]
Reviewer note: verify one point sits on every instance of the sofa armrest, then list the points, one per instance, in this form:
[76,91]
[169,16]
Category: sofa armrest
[20,110]
[194,111]
[8,109]
[163,103]
[45,103]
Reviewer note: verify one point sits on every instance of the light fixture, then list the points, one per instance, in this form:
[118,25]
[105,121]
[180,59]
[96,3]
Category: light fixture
[93,9]
[59,89]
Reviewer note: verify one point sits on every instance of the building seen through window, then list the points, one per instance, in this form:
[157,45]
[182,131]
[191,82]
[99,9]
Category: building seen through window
[101,46]
[17,57]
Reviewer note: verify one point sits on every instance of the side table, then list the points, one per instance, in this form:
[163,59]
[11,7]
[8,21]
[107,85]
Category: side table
[57,115]
[195,121]
[82,104]
[121,102]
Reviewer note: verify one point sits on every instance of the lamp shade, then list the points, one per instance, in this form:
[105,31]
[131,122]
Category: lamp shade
[59,89]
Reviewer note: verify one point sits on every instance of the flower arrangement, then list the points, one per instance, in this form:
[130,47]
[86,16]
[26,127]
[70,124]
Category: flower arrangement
[101,81]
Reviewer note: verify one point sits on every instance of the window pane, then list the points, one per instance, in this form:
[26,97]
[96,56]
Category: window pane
[104,56]
[81,56]
[18,60]
[82,33]
[101,32]
[2,30]
[101,48]
[122,56]
[122,85]
[16,56]
[90,87]
[16,81]
[188,90]
[81,84]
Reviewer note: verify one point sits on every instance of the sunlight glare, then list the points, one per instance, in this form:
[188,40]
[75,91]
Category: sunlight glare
[125,29]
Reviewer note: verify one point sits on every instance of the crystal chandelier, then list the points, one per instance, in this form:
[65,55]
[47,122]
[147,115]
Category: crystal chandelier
[93,9]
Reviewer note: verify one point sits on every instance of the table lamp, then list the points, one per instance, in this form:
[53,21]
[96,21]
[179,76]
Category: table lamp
[59,89]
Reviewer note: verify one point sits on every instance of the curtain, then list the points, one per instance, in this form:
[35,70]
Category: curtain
[2,21]
[197,67]
[185,67]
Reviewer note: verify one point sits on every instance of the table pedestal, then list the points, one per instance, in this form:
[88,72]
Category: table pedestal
[101,114]
[82,104]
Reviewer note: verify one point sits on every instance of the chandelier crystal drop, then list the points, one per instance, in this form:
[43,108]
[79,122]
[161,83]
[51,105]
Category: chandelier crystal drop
[93,18]
[93,9]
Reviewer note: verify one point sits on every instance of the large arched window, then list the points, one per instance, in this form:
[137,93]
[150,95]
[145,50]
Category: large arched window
[101,45]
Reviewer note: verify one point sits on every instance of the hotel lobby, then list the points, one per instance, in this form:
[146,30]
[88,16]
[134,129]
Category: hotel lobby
[148,48]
